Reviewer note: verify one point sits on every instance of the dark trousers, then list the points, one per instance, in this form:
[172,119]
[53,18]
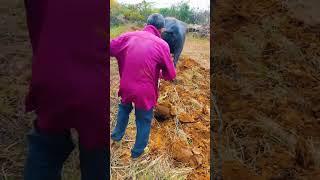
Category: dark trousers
[47,154]
[143,123]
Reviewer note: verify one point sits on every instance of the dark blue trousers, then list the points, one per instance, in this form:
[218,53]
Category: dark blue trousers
[143,123]
[47,154]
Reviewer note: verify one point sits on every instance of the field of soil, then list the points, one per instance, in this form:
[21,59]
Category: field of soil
[180,136]
[266,78]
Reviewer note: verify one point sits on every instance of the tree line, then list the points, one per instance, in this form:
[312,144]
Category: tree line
[138,13]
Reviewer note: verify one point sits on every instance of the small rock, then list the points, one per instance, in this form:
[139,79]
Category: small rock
[196,151]
[185,118]
[181,152]
[162,113]
[173,111]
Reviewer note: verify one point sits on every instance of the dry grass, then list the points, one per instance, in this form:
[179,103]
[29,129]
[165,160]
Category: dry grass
[147,167]
[15,70]
[266,76]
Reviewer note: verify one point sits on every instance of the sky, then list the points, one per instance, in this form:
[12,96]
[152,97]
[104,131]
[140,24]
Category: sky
[201,4]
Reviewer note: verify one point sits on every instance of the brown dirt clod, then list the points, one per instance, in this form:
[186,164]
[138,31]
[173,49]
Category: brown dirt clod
[162,113]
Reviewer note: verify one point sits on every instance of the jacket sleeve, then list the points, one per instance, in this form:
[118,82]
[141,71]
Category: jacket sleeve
[116,45]
[168,72]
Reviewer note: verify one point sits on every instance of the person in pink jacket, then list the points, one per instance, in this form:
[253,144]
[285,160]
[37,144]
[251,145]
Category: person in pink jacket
[143,57]
[69,88]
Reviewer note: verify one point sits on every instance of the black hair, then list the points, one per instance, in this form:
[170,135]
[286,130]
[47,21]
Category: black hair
[156,20]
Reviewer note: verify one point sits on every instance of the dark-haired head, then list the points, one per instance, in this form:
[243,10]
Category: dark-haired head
[156,20]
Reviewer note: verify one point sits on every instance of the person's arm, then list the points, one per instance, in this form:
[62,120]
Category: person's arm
[116,45]
[168,71]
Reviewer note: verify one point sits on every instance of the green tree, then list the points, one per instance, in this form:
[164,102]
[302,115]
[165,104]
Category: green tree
[138,13]
[181,11]
[145,8]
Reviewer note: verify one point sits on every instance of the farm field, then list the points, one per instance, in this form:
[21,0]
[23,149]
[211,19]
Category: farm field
[266,77]
[180,145]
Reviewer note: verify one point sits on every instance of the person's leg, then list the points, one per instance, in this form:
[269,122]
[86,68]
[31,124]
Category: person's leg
[122,121]
[94,148]
[94,140]
[46,154]
[95,164]
[143,123]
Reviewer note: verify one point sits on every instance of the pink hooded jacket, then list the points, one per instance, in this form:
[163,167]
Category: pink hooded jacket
[141,56]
